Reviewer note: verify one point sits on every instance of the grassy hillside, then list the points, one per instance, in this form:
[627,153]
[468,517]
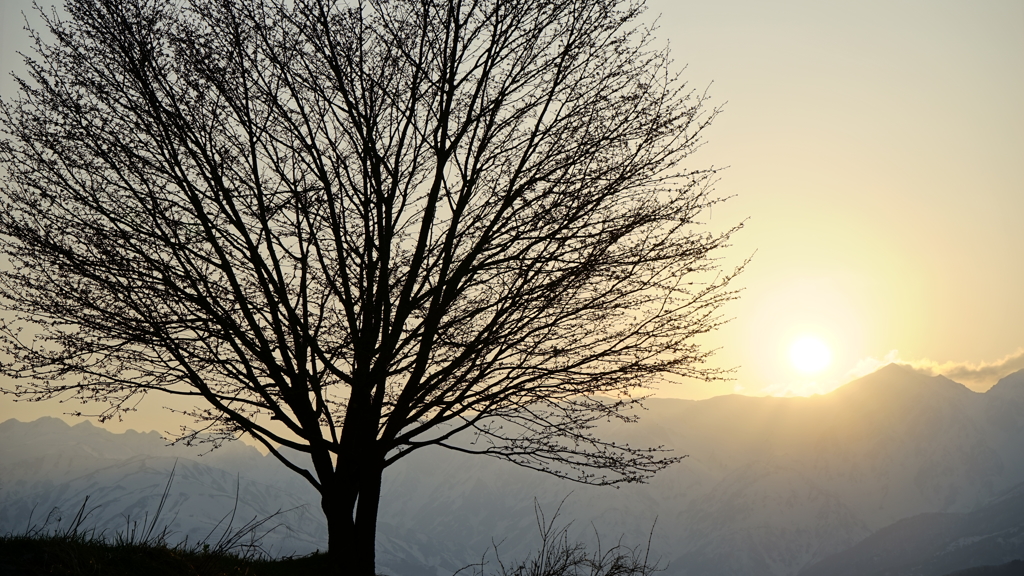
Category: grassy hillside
[76,556]
[74,551]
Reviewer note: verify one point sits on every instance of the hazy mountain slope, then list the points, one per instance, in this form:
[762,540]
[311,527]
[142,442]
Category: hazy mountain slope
[771,485]
[937,543]
[1014,568]
[893,443]
[47,469]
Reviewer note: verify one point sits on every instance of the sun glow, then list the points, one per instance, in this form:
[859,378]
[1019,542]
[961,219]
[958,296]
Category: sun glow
[810,355]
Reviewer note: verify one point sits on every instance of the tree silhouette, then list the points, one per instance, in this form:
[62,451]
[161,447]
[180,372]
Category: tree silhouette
[357,229]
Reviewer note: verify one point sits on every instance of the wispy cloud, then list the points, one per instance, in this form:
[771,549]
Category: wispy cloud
[978,376]
[866,366]
[975,375]
[981,375]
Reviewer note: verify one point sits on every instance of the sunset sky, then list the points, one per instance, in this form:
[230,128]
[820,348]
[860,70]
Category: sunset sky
[877,149]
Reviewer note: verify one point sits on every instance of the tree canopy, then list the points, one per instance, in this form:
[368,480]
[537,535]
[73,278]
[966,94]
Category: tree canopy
[355,229]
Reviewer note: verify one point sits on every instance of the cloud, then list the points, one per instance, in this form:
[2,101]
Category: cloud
[978,376]
[866,366]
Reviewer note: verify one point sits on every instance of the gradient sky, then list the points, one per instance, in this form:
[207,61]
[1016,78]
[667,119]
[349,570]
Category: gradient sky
[877,149]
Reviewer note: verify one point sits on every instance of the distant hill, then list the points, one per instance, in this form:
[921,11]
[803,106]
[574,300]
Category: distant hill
[1014,568]
[47,468]
[934,544]
[771,485]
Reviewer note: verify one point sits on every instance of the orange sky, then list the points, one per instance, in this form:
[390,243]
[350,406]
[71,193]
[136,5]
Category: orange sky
[878,151]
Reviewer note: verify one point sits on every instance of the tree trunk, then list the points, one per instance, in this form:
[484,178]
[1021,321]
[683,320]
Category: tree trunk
[352,522]
[340,529]
[366,514]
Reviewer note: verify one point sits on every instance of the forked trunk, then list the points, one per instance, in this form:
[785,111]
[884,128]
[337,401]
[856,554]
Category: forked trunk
[352,525]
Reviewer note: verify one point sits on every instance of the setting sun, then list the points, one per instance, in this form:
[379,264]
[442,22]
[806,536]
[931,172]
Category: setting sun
[810,355]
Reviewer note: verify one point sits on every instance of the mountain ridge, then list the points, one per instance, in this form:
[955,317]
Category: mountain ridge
[770,487]
[936,543]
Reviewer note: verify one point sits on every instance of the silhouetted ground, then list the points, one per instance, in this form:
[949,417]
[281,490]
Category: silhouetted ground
[23,556]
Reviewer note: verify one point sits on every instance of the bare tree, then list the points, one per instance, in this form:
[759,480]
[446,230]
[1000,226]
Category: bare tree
[358,229]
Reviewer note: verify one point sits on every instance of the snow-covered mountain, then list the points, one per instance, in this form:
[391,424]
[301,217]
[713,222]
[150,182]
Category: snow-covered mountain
[771,485]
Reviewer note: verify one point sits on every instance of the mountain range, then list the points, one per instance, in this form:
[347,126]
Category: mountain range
[771,486]
[933,543]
